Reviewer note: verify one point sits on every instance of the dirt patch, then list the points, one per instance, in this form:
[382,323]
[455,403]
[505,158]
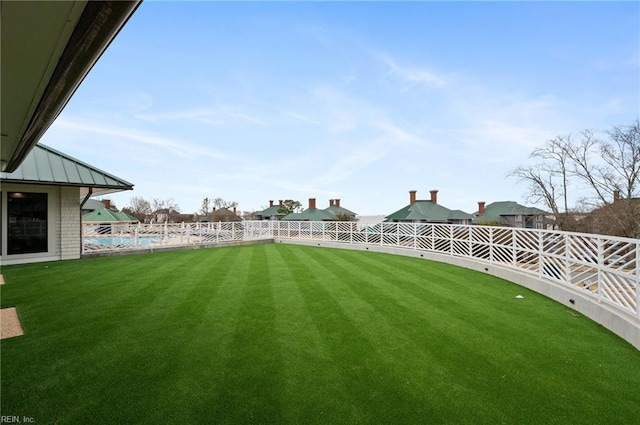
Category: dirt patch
[10,325]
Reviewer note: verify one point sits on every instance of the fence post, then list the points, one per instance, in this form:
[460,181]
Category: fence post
[451,240]
[514,255]
[568,262]
[600,264]
[490,244]
[638,279]
[352,226]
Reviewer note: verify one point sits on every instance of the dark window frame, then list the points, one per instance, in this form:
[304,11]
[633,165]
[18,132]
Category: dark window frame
[27,222]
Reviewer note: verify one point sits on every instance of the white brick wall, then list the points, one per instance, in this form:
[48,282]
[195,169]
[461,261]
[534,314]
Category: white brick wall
[69,237]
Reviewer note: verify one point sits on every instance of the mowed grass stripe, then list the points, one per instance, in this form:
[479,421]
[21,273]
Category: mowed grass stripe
[418,360]
[373,391]
[309,380]
[250,388]
[287,334]
[518,335]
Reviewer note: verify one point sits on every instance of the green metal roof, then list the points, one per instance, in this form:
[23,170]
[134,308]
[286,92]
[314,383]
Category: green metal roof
[335,210]
[45,165]
[460,215]
[426,211]
[495,211]
[107,216]
[310,214]
[291,216]
[93,205]
[270,212]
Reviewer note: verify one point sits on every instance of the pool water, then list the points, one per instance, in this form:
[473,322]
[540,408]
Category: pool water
[119,240]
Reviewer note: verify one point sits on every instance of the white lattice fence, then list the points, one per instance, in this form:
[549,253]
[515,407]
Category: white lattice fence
[607,268]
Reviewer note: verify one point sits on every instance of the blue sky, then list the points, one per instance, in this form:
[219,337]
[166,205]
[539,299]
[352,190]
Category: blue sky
[361,101]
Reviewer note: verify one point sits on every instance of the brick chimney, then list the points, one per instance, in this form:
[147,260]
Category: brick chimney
[234,210]
[107,203]
[280,202]
[434,196]
[270,203]
[330,202]
[312,202]
[412,197]
[337,202]
[481,208]
[616,196]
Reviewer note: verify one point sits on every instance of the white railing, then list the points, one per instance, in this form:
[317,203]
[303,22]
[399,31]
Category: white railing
[605,268]
[100,238]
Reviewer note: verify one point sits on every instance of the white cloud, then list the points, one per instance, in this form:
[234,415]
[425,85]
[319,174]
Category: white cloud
[216,116]
[300,117]
[412,75]
[178,147]
[249,118]
[203,115]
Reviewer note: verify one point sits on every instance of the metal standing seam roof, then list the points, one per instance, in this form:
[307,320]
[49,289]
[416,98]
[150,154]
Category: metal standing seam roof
[45,165]
[107,216]
[310,214]
[335,210]
[270,212]
[460,215]
[495,211]
[422,211]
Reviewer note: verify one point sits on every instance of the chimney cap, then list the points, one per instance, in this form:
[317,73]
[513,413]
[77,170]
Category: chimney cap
[434,195]
[412,196]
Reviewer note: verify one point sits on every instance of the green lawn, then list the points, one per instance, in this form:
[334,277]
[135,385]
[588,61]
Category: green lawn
[286,334]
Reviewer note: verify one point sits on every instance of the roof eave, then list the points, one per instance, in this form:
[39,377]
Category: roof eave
[98,25]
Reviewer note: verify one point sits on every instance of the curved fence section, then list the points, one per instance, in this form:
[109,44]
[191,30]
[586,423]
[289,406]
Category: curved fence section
[604,268]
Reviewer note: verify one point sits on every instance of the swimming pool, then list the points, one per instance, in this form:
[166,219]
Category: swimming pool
[123,240]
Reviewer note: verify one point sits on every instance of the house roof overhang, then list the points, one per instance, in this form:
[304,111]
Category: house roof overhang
[48,48]
[47,166]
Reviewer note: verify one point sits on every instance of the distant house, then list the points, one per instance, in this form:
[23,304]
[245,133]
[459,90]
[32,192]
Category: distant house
[511,214]
[108,216]
[165,215]
[93,205]
[273,212]
[338,212]
[41,205]
[619,218]
[224,215]
[310,214]
[428,211]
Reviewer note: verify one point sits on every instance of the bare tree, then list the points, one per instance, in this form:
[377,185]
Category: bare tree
[607,169]
[204,211]
[587,170]
[549,178]
[622,155]
[165,210]
[168,204]
[138,207]
[221,203]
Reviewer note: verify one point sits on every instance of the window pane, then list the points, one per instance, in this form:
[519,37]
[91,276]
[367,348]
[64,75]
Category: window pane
[26,222]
